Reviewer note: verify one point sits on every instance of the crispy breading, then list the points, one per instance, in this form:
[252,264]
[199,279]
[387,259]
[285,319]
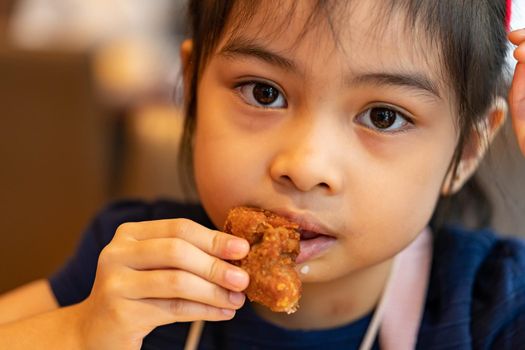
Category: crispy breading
[274,246]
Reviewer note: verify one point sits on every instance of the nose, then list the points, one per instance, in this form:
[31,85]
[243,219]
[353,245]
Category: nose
[308,161]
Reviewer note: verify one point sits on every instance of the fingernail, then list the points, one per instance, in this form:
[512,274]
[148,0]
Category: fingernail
[236,298]
[236,278]
[228,312]
[236,246]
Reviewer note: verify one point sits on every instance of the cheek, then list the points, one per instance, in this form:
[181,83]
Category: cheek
[209,155]
[396,201]
[214,174]
[227,164]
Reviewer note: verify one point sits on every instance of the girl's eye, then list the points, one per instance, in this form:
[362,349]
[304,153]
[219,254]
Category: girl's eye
[383,119]
[262,95]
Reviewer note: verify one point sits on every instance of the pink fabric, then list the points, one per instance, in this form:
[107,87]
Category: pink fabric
[508,15]
[400,309]
[406,296]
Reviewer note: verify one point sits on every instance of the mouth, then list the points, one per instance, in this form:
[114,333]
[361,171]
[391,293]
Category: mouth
[313,244]
[315,237]
[307,235]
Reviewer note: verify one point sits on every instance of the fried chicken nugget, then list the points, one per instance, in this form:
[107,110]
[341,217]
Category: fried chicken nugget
[274,246]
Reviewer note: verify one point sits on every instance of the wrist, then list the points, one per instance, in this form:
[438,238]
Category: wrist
[57,329]
[73,322]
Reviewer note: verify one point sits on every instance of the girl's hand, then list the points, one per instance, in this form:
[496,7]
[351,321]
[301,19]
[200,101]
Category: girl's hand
[159,272]
[517,92]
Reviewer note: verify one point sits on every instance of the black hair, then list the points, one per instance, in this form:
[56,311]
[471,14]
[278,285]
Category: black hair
[470,36]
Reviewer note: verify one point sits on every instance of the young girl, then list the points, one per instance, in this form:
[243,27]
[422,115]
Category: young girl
[352,118]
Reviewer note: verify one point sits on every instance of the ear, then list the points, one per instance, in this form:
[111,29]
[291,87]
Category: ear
[186,50]
[476,147]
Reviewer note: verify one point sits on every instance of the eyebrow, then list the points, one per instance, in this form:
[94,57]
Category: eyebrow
[410,80]
[415,81]
[244,47]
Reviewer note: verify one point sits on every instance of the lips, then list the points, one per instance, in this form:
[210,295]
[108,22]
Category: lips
[316,238]
[306,235]
[312,245]
[309,225]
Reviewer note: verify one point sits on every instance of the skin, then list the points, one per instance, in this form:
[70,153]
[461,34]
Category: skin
[150,259]
[517,92]
[316,156]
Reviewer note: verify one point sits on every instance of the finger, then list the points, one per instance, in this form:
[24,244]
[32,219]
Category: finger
[519,52]
[161,311]
[517,104]
[517,36]
[171,284]
[213,242]
[178,254]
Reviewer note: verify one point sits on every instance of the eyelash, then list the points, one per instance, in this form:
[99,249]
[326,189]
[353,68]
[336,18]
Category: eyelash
[407,124]
[281,96]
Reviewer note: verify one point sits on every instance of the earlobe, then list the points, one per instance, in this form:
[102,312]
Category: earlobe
[186,49]
[476,147]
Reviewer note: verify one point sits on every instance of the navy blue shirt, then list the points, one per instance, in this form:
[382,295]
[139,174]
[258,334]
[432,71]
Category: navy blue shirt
[475,300]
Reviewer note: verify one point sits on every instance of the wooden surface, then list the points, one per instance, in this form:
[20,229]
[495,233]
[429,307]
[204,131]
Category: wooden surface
[54,160]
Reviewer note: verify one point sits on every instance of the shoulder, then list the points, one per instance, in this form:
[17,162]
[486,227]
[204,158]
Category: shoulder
[498,295]
[483,258]
[139,210]
[477,290]
[480,255]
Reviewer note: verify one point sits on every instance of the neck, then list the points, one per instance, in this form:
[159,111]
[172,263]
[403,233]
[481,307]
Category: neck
[336,302]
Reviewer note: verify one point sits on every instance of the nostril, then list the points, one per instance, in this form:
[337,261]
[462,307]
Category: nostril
[304,174]
[286,178]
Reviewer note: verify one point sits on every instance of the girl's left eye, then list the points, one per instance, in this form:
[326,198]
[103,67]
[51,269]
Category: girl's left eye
[261,95]
[384,119]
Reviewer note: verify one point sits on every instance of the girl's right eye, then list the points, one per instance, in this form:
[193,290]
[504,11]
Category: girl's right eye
[261,95]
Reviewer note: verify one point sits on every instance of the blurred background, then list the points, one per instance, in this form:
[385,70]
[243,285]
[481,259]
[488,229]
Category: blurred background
[89,115]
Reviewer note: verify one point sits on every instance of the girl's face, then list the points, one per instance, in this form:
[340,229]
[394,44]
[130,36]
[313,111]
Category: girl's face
[353,140]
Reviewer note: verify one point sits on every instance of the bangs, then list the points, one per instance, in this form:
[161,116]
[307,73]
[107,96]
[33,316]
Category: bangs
[464,41]
[455,30]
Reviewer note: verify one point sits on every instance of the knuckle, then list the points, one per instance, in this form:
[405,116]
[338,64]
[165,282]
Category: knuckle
[215,272]
[174,281]
[103,256]
[107,255]
[218,245]
[180,224]
[112,253]
[123,229]
[176,250]
[210,310]
[178,307]
[113,285]
[220,295]
[214,313]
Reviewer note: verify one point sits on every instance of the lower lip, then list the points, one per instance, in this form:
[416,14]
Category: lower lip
[311,248]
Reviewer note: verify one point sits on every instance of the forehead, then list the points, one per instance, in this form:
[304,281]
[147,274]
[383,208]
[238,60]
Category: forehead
[370,35]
